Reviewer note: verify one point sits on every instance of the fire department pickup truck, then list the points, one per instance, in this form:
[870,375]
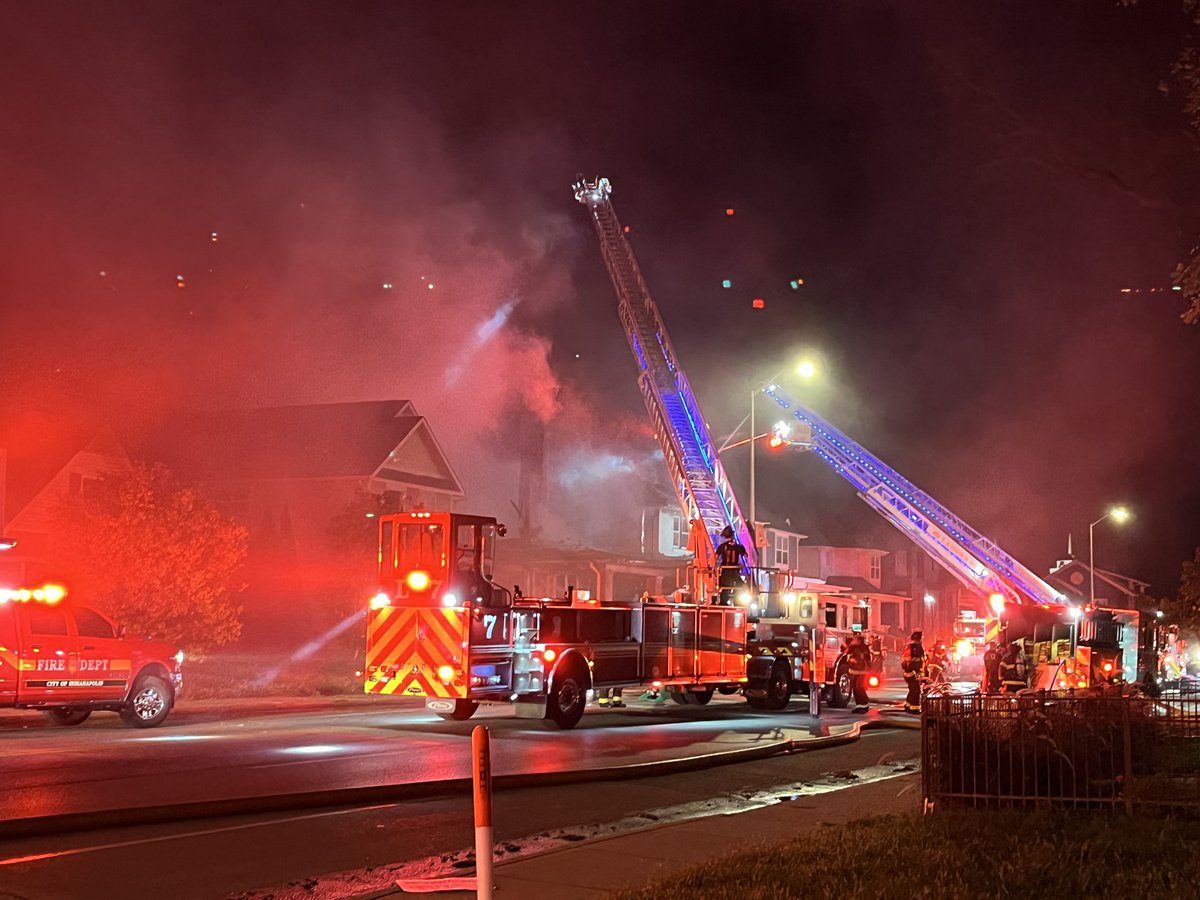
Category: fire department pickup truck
[66,660]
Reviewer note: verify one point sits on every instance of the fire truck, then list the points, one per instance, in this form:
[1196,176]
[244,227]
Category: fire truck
[441,629]
[67,660]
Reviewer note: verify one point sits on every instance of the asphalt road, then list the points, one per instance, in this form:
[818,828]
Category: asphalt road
[219,857]
[222,751]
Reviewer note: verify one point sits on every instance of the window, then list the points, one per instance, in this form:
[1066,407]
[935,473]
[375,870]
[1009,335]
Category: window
[889,614]
[781,551]
[679,533]
[46,620]
[90,623]
[875,566]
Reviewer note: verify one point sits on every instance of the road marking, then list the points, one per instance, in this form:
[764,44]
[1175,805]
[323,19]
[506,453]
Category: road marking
[77,851]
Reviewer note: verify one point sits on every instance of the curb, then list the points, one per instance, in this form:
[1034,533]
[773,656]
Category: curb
[393,793]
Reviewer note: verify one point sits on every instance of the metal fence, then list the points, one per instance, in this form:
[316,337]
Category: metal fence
[1061,749]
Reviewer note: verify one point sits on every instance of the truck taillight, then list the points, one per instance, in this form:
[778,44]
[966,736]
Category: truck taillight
[873,680]
[417,580]
[548,655]
[446,674]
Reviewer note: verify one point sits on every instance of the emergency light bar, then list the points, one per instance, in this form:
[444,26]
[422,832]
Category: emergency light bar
[49,594]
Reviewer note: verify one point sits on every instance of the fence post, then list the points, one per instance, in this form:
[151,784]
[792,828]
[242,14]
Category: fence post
[1127,785]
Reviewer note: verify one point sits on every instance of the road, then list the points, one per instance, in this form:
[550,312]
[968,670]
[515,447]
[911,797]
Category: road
[211,752]
[219,857]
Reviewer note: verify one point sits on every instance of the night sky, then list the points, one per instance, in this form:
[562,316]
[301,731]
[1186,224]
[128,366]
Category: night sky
[234,204]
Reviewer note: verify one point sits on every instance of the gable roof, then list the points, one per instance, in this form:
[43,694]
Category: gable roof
[36,446]
[372,438]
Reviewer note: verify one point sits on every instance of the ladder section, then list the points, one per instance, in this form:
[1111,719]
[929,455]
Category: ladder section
[977,561]
[696,472]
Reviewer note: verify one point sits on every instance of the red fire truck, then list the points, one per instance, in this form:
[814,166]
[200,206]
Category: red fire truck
[441,629]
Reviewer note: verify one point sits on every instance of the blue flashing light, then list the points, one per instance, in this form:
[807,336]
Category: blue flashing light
[726,283]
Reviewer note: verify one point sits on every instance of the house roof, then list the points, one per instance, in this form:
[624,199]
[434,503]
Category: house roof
[383,438]
[1061,576]
[854,583]
[36,446]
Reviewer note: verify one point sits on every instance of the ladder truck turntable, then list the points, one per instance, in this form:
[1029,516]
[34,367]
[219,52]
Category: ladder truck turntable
[441,629]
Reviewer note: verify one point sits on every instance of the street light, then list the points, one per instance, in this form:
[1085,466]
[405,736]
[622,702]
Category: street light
[1117,514]
[807,370]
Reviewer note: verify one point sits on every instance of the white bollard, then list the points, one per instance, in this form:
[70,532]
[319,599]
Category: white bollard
[481,777]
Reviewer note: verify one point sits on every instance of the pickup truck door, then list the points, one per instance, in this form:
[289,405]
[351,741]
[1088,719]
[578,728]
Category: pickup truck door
[10,661]
[101,661]
[44,643]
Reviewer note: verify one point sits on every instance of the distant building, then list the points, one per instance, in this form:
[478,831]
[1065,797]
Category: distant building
[43,462]
[1073,577]
[288,472]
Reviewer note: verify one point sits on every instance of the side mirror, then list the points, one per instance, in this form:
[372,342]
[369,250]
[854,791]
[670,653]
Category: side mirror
[501,529]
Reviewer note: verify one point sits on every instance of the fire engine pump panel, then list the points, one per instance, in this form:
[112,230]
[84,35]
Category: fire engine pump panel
[441,629]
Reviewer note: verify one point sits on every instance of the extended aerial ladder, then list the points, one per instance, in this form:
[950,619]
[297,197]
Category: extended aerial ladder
[975,560]
[699,478]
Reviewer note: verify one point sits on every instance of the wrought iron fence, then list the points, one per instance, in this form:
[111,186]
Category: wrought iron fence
[1062,749]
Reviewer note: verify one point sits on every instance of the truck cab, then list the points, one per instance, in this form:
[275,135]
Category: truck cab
[67,660]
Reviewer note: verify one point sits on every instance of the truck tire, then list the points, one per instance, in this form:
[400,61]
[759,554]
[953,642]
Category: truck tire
[568,697]
[66,716]
[839,691]
[685,697]
[149,703]
[779,689]
[463,710]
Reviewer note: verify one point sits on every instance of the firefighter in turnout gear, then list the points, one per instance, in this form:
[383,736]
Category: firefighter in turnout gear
[912,664]
[730,557]
[991,669]
[858,658]
[1012,670]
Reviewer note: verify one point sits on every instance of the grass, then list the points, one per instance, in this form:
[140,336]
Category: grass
[951,855]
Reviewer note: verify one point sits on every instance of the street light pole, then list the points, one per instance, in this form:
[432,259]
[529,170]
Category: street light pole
[1119,514]
[753,510]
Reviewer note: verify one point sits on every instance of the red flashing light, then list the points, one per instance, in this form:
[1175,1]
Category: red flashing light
[729,211]
[996,601]
[418,580]
[626,229]
[1108,667]
[775,442]
[549,655]
[873,681]
[758,303]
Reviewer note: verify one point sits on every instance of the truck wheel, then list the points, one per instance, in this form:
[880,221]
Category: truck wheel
[839,691]
[463,710]
[779,689]
[149,703]
[568,697]
[61,716]
[692,698]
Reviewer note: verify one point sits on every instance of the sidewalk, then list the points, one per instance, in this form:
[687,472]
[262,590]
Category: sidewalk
[596,868]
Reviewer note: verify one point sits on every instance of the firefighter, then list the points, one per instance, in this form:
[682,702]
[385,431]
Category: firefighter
[1012,669]
[939,662]
[730,555]
[991,669]
[858,658]
[878,654]
[912,664]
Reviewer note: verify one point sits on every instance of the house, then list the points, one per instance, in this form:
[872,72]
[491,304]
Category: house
[287,473]
[1074,578]
[859,570]
[44,461]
